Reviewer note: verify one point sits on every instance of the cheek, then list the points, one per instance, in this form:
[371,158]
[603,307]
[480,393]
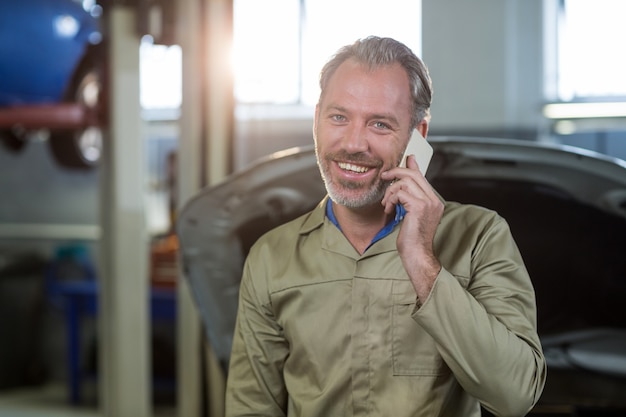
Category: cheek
[327,137]
[388,153]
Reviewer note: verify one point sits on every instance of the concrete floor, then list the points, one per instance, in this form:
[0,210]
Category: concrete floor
[51,401]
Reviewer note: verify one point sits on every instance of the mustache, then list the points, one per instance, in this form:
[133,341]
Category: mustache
[356,158]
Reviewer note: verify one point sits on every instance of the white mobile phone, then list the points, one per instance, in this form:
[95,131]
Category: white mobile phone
[422,150]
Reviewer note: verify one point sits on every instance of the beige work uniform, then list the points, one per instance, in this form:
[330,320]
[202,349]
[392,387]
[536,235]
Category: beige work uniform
[323,331]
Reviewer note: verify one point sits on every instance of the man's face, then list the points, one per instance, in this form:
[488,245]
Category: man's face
[362,125]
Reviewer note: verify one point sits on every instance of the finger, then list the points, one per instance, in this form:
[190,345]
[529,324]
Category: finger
[419,178]
[406,193]
[389,200]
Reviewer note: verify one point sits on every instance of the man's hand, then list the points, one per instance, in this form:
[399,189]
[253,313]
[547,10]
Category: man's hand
[423,214]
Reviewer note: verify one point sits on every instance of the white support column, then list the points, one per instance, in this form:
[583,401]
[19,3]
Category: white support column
[220,111]
[219,127]
[189,364]
[125,388]
[205,33]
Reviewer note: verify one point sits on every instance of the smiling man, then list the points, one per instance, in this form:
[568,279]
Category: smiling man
[385,300]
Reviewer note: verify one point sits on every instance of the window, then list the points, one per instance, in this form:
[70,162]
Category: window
[591,62]
[281,45]
[160,76]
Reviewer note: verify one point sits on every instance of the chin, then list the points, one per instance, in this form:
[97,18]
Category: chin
[356,201]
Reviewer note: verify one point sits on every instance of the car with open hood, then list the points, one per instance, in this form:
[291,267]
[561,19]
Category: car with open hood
[567,211]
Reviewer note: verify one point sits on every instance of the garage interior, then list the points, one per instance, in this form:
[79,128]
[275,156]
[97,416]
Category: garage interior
[143,352]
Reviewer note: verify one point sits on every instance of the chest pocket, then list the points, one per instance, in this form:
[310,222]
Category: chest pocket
[413,350]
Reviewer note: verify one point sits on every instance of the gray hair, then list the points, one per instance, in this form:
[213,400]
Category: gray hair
[375,52]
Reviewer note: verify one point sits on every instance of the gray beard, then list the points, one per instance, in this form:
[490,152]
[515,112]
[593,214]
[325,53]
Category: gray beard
[369,197]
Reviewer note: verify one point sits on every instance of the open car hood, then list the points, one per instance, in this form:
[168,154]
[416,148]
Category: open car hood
[566,208]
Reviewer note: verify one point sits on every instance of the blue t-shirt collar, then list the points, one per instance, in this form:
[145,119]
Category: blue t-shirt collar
[386,230]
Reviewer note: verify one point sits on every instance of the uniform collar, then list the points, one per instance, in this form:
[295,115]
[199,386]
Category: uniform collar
[385,231]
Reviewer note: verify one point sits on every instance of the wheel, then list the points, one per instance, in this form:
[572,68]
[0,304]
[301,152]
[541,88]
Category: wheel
[13,139]
[82,148]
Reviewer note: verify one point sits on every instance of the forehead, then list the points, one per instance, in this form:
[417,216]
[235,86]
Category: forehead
[384,87]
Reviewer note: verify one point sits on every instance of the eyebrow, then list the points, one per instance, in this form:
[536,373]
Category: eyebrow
[333,107]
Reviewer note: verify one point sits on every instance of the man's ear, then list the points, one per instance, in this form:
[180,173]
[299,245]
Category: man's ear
[422,127]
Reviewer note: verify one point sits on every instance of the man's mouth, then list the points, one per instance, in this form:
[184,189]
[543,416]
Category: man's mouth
[352,168]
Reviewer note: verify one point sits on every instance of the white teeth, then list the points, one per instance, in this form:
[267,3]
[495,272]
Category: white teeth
[354,168]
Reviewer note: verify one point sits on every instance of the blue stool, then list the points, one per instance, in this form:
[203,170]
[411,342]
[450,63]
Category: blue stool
[72,286]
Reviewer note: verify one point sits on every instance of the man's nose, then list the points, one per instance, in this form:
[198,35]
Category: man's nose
[355,140]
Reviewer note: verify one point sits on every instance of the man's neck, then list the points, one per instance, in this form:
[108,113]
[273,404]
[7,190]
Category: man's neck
[360,226]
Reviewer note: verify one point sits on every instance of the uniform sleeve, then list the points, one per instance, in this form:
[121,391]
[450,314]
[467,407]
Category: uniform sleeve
[486,333]
[255,385]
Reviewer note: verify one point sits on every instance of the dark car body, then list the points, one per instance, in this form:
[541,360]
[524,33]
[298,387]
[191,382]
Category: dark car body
[567,211]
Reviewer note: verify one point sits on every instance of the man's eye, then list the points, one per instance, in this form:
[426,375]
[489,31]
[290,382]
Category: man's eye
[381,125]
[338,118]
